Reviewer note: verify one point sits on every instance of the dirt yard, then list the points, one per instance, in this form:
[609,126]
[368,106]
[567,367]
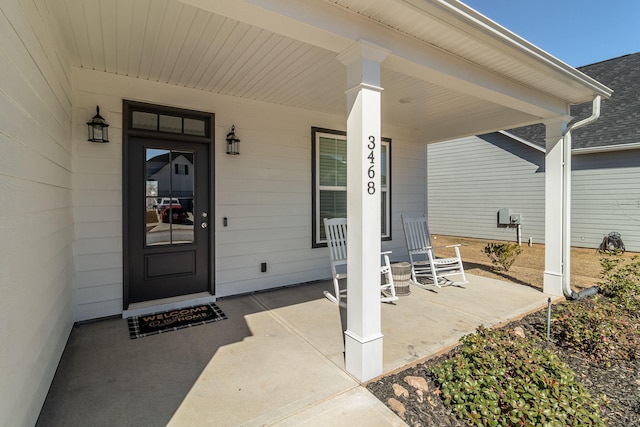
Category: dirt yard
[528,268]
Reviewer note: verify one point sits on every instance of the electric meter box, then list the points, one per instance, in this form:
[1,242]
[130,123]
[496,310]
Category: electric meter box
[504,216]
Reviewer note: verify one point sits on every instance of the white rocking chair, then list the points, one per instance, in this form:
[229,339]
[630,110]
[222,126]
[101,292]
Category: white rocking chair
[424,262]
[336,232]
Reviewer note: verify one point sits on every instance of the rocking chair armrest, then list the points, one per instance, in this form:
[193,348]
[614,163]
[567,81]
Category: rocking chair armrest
[422,250]
[446,246]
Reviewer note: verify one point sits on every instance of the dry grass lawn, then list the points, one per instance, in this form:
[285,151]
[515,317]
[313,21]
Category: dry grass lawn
[529,266]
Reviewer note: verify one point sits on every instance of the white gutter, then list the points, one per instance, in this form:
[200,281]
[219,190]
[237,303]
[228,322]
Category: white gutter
[566,199]
[606,148]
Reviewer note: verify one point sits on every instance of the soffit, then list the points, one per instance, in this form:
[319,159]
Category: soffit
[457,29]
[176,43]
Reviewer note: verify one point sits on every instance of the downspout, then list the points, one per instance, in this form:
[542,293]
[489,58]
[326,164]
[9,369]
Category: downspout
[566,206]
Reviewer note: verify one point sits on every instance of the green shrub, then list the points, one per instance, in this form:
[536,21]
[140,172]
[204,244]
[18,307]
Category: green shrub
[498,379]
[621,282]
[502,254]
[604,329]
[597,328]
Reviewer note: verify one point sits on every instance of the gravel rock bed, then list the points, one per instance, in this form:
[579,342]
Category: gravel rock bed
[415,397]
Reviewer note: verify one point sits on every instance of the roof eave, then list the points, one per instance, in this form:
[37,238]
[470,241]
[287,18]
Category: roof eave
[606,148]
[589,87]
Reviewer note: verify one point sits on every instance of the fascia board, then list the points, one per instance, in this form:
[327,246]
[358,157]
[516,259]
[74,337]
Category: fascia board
[577,151]
[606,148]
[479,26]
[293,19]
[523,141]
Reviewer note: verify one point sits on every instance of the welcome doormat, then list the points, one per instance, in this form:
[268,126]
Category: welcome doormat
[172,320]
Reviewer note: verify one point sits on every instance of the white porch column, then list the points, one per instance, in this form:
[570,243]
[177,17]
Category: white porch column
[363,337]
[553,205]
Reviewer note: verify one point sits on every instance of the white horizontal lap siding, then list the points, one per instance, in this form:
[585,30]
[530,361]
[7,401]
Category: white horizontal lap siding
[408,183]
[470,179]
[98,209]
[36,222]
[606,198]
[265,192]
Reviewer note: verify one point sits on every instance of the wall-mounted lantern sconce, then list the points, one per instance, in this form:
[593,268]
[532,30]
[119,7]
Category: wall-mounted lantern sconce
[233,143]
[98,128]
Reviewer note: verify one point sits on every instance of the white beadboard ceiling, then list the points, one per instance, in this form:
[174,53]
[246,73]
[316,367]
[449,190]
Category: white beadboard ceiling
[177,43]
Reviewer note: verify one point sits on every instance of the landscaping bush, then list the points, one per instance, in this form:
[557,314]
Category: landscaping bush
[499,379]
[495,378]
[621,282]
[599,329]
[502,254]
[608,328]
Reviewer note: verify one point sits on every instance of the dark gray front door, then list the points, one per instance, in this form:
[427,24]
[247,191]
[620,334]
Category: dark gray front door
[167,217]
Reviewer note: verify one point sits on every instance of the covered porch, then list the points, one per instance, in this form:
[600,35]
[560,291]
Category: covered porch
[412,72]
[277,359]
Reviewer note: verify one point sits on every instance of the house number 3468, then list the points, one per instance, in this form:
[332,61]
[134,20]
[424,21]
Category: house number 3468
[371,173]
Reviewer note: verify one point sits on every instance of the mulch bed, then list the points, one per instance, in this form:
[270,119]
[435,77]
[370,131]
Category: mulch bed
[415,397]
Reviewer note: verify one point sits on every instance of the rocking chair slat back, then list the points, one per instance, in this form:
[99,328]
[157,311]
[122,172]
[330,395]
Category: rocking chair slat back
[422,256]
[417,234]
[336,230]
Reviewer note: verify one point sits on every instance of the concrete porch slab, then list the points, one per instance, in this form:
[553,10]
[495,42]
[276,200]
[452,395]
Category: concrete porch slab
[277,360]
[262,379]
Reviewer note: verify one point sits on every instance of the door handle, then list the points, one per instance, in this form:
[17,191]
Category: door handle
[204,224]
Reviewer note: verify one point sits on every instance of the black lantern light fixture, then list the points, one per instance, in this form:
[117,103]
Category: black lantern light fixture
[233,142]
[98,128]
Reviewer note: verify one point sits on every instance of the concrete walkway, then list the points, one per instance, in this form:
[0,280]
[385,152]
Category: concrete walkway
[277,360]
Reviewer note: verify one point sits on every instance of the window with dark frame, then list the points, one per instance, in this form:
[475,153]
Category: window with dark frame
[329,180]
[181,169]
[157,122]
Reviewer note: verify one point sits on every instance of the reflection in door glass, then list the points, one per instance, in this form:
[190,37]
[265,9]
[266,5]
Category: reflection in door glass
[169,199]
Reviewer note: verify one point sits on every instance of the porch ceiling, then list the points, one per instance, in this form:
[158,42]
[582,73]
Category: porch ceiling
[284,52]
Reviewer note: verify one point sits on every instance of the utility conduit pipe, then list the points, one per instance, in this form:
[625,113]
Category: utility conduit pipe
[566,206]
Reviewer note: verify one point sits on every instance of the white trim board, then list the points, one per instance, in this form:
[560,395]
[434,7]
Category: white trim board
[175,303]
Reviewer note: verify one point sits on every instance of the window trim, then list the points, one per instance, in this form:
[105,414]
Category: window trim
[315,188]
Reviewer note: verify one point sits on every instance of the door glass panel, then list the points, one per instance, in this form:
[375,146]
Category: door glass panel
[147,121]
[194,127]
[169,200]
[171,124]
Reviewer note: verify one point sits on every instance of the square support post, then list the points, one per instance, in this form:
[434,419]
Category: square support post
[363,337]
[554,212]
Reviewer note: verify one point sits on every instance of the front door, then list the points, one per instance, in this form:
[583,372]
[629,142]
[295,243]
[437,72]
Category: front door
[167,208]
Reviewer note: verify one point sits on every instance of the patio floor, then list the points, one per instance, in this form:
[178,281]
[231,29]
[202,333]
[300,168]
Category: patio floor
[277,360]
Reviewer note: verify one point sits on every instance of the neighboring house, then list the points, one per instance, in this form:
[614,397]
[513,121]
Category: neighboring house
[177,75]
[470,179]
[172,174]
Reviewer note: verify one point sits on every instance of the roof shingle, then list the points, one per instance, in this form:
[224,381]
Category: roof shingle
[619,121]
